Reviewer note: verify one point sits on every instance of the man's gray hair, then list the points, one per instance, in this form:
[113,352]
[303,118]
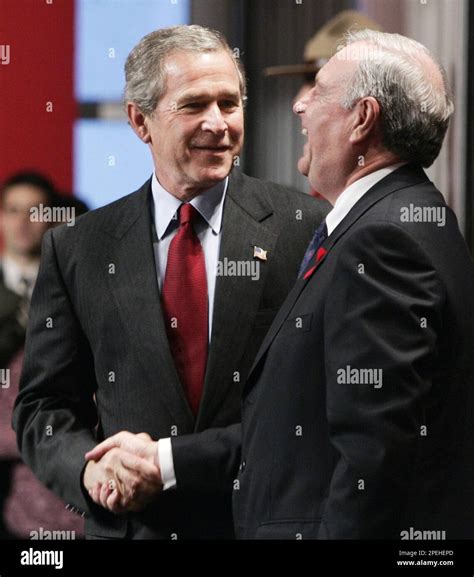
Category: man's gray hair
[415,111]
[145,75]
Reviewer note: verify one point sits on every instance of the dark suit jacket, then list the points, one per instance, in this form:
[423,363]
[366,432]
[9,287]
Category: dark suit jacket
[327,457]
[96,328]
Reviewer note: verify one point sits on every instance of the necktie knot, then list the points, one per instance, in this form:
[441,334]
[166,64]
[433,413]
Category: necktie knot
[319,237]
[321,233]
[187,213]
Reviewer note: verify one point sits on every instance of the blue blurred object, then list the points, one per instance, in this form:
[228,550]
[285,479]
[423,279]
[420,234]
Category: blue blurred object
[110,161]
[106,31]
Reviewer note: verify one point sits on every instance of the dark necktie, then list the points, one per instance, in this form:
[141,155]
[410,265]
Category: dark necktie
[185,306]
[319,237]
[25,285]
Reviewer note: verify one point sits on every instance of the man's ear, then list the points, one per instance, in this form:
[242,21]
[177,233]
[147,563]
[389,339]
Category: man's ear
[138,122]
[366,121]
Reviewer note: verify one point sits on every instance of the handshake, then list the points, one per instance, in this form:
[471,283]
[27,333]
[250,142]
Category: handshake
[122,474]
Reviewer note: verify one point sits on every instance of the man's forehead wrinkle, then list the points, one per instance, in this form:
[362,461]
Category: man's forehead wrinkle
[206,94]
[335,73]
[182,87]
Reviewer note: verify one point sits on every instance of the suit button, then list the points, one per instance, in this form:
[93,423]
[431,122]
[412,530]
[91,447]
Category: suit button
[242,466]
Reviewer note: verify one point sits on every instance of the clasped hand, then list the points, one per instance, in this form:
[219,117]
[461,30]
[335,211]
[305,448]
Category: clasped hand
[121,474]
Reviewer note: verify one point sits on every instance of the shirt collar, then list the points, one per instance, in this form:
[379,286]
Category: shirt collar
[209,204]
[13,273]
[354,192]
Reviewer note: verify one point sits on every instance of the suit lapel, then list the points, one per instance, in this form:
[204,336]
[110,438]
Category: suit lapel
[236,299]
[135,289]
[407,175]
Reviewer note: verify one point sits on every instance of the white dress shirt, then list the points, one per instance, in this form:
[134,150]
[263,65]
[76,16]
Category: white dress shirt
[344,203]
[354,192]
[13,275]
[210,206]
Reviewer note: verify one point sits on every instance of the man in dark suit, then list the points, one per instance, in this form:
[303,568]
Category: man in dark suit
[358,411]
[147,314]
[25,504]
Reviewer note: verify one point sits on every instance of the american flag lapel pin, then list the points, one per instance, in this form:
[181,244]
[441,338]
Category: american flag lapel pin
[259,253]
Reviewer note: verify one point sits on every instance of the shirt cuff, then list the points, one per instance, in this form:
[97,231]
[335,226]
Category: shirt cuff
[165,462]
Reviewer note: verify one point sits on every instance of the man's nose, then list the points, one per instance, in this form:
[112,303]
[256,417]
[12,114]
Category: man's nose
[214,121]
[300,106]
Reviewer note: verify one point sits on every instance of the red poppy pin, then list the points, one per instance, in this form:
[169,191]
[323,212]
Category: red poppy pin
[320,254]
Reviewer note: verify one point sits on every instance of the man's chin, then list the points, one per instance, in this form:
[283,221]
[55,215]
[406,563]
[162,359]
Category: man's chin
[303,166]
[26,250]
[220,166]
[210,176]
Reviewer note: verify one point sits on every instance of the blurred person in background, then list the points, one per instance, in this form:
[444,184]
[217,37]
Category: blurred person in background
[21,254]
[25,504]
[69,202]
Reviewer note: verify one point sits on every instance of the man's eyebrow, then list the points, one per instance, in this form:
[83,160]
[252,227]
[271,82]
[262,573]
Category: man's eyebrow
[187,96]
[317,81]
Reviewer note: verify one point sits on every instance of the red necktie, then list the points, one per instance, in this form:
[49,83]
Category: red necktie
[185,306]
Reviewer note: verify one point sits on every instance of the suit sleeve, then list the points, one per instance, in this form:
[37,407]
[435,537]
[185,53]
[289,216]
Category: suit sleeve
[55,413]
[383,314]
[209,460]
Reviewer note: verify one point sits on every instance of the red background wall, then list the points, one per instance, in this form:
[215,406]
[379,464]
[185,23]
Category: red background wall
[41,39]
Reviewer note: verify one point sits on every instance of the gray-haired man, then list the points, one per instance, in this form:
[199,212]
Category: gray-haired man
[149,312]
[366,430]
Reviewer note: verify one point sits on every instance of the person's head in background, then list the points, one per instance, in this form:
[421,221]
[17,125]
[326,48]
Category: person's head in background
[321,47]
[184,94]
[69,207]
[21,234]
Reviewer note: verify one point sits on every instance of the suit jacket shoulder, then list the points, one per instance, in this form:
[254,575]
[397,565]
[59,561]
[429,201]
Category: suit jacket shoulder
[288,203]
